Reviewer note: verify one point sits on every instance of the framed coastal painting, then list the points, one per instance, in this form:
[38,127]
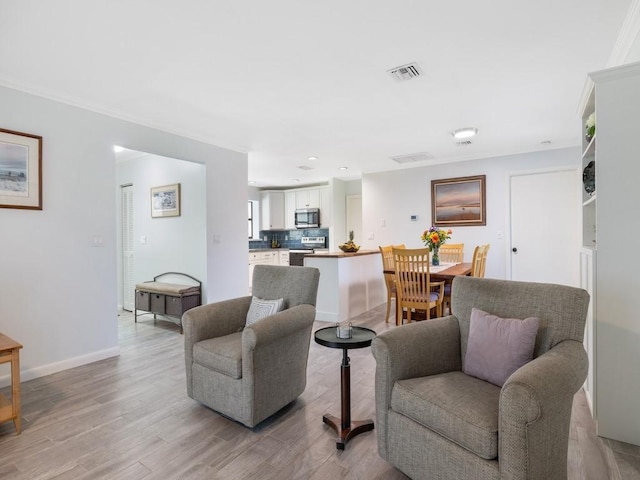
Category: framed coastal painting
[165,201]
[20,170]
[459,201]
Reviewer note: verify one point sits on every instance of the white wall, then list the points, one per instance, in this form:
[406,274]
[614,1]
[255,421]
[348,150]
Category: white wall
[392,197]
[58,294]
[173,244]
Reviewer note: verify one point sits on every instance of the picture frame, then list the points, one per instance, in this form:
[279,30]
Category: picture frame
[165,201]
[459,201]
[20,170]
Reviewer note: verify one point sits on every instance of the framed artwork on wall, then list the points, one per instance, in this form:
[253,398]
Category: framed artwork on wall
[165,201]
[458,201]
[20,170]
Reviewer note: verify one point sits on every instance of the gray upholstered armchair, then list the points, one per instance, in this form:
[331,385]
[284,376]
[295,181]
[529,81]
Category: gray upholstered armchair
[434,421]
[249,373]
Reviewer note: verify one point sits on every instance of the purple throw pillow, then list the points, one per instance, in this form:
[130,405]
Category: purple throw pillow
[497,347]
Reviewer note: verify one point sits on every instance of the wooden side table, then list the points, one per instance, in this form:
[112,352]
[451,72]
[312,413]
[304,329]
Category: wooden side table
[10,408]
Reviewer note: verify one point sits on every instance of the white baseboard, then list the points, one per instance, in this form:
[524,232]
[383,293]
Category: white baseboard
[41,371]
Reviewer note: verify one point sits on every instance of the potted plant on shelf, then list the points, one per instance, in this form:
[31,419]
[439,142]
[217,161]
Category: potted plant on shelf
[590,125]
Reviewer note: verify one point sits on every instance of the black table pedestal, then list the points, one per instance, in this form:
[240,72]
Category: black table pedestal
[345,428]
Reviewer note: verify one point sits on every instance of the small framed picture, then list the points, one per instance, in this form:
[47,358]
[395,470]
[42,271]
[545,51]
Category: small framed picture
[165,201]
[20,170]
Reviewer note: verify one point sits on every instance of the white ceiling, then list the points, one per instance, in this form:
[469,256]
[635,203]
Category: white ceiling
[287,79]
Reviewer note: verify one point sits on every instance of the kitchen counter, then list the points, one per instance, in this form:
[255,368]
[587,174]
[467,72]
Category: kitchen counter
[280,249]
[341,254]
[350,283]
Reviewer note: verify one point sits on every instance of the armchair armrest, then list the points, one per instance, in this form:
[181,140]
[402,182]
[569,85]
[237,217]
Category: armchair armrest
[414,350]
[535,412]
[277,326]
[275,352]
[215,319]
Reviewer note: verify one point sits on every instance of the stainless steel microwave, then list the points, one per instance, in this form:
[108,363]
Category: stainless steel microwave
[308,218]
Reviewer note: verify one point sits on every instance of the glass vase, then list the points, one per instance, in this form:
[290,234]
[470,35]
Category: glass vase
[435,257]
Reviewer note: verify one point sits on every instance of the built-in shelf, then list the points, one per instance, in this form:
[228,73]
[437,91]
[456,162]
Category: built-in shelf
[591,148]
[590,200]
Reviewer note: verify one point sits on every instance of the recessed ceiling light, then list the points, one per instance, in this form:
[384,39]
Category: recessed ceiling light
[312,158]
[296,179]
[466,132]
[118,149]
[251,182]
[344,168]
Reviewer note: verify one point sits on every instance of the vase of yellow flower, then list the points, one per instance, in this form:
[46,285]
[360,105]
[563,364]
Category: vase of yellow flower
[434,238]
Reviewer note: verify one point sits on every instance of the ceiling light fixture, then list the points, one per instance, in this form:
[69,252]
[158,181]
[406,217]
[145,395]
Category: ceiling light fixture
[312,158]
[296,179]
[344,168]
[118,149]
[466,132]
[251,182]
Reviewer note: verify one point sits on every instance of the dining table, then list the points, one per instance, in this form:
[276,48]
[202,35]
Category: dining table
[445,272]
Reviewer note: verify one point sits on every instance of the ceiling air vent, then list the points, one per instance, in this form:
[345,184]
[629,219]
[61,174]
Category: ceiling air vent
[413,157]
[463,143]
[405,72]
[305,167]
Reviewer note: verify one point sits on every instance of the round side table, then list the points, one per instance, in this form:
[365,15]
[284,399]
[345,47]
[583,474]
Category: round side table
[361,337]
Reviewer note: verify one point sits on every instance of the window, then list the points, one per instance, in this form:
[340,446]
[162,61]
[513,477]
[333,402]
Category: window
[250,219]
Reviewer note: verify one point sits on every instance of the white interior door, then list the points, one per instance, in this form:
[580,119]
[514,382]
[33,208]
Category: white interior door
[354,217]
[128,285]
[544,218]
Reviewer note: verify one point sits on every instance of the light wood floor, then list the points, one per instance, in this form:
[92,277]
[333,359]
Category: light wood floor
[130,418]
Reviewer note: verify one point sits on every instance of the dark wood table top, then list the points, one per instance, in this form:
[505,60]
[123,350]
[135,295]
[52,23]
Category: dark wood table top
[448,273]
[361,337]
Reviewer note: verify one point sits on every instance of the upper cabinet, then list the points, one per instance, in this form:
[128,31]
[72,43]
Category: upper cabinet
[308,198]
[272,210]
[277,207]
[289,209]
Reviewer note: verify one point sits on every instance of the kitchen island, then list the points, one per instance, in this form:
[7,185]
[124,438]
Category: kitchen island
[350,283]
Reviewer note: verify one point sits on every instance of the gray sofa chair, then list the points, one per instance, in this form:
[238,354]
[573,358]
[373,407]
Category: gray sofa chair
[249,373]
[436,422]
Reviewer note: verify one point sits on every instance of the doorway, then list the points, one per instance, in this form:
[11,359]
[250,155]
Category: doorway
[544,227]
[128,283]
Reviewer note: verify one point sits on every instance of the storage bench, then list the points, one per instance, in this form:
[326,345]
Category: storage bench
[168,299]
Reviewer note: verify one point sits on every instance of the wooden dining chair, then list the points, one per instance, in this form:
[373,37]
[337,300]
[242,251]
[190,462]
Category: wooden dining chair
[414,291]
[452,253]
[479,261]
[389,278]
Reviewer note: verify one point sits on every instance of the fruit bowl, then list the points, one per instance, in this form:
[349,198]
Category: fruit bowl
[349,247]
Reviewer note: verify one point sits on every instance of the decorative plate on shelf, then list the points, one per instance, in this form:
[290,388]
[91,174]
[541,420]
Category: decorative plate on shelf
[589,177]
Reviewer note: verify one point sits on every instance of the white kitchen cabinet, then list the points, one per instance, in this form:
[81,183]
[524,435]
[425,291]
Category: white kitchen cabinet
[262,258]
[283,257]
[308,198]
[326,207]
[272,210]
[289,209]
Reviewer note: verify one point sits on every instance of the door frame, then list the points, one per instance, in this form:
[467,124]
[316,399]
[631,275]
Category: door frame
[537,171]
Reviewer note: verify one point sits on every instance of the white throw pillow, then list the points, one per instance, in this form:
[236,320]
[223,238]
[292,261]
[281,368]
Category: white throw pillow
[260,309]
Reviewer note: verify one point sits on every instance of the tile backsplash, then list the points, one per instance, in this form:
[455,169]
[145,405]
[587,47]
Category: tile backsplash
[288,238]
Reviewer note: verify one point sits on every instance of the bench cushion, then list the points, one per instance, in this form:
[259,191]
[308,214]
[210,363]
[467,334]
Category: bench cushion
[167,288]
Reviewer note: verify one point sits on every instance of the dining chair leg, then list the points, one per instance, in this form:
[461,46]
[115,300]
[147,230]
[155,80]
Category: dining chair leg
[386,317]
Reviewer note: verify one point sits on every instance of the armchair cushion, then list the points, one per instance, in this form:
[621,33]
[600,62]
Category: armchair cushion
[261,308]
[497,347]
[221,354]
[459,407]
